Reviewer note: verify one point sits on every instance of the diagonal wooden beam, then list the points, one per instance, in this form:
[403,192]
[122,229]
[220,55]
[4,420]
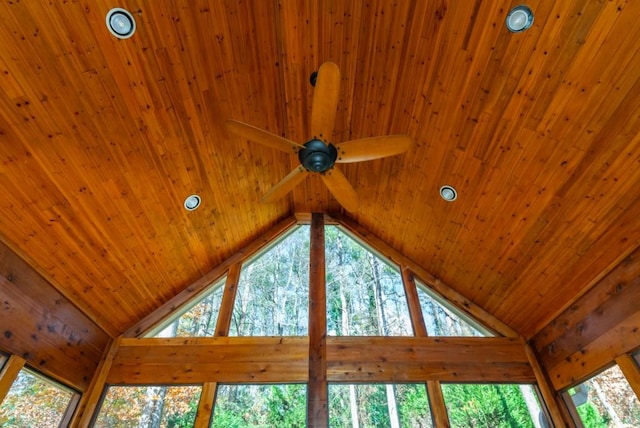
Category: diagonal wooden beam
[201,285]
[455,298]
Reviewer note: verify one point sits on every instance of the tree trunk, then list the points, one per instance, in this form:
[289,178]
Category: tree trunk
[154,405]
[392,405]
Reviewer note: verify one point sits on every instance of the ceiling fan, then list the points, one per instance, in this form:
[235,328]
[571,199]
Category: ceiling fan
[319,155]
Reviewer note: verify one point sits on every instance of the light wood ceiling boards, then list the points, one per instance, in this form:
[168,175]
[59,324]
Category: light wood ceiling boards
[102,139]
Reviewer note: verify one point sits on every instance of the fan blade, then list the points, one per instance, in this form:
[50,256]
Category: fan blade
[373,148]
[260,136]
[325,101]
[285,185]
[341,189]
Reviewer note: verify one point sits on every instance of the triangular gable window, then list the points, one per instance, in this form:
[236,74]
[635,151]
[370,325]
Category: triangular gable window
[442,319]
[273,291]
[196,320]
[365,295]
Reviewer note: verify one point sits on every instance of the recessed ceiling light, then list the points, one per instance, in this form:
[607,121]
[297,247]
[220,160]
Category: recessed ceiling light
[519,19]
[192,202]
[448,193]
[120,23]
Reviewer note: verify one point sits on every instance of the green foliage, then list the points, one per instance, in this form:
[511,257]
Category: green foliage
[590,416]
[186,419]
[243,406]
[490,406]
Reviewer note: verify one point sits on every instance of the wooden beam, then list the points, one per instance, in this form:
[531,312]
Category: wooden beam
[596,330]
[205,405]
[175,361]
[9,374]
[413,301]
[90,399]
[317,388]
[455,298]
[595,356]
[45,328]
[228,300]
[631,371]
[415,359]
[201,285]
[556,406]
[439,412]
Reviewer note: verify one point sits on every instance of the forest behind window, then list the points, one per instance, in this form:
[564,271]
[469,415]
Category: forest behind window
[148,406]
[607,400]
[34,401]
[273,291]
[442,321]
[365,295]
[198,320]
[241,406]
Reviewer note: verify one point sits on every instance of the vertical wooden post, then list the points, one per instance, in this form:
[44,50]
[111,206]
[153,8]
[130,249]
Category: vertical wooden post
[631,371]
[89,400]
[228,300]
[205,405]
[9,374]
[317,394]
[560,414]
[434,391]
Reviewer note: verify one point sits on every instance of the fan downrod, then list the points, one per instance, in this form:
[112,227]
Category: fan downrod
[318,156]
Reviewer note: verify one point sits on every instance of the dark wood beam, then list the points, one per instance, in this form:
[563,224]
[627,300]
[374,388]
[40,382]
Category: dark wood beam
[317,389]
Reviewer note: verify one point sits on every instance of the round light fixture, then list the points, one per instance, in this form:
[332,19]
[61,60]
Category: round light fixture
[192,202]
[120,23]
[448,193]
[519,19]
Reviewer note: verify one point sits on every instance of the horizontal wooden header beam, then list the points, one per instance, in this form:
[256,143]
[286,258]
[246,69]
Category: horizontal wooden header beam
[598,328]
[349,359]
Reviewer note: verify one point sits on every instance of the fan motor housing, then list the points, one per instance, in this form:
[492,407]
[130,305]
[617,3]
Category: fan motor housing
[318,156]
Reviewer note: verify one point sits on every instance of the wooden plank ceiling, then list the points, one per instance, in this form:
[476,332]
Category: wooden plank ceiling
[102,139]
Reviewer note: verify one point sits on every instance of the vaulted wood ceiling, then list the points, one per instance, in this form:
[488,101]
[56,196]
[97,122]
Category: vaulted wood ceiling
[102,139]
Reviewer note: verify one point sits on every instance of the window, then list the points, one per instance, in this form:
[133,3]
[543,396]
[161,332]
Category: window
[148,406]
[377,405]
[242,406]
[443,320]
[491,406]
[273,292]
[34,400]
[197,320]
[606,400]
[365,295]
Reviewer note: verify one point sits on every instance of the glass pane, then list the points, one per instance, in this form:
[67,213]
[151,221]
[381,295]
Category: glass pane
[34,401]
[404,405]
[607,400]
[490,406]
[240,406]
[365,296]
[198,320]
[441,320]
[149,406]
[273,291]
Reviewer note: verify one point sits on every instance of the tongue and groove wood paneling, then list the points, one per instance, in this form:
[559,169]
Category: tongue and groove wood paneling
[102,139]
